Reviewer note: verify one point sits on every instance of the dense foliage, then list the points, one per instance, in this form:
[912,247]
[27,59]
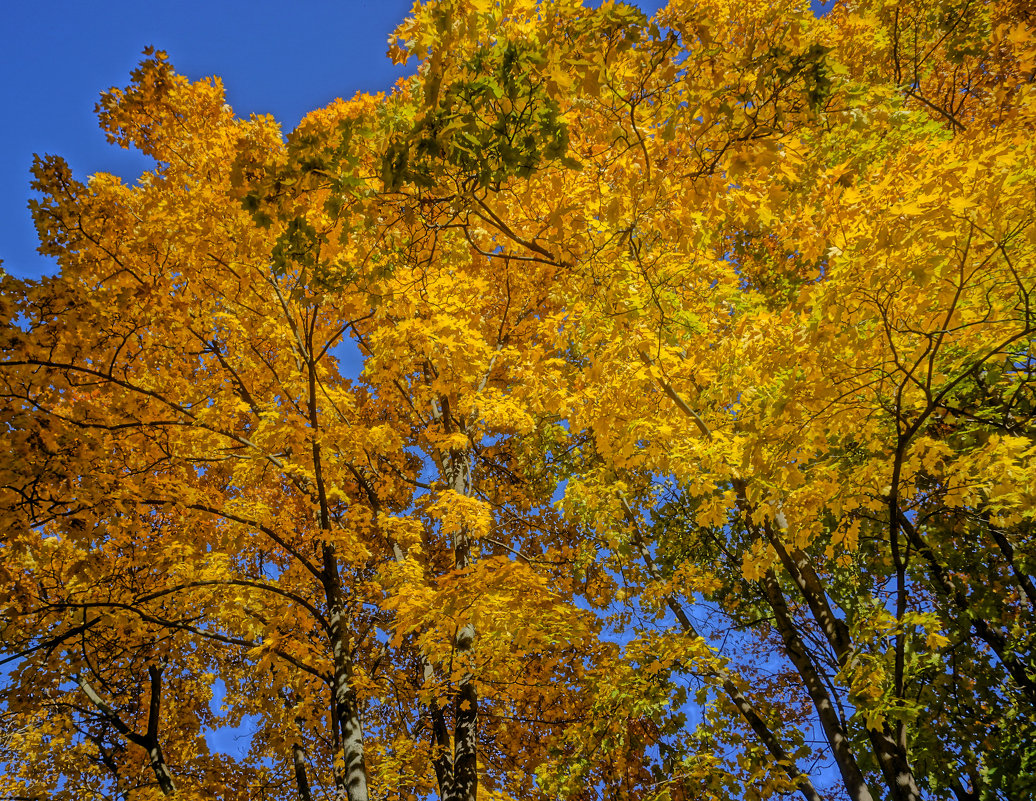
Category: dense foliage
[618,408]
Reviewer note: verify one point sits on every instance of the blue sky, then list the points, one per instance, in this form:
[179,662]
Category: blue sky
[277,57]
[283,58]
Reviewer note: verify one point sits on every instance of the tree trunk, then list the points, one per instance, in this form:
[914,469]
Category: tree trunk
[852,776]
[149,742]
[354,772]
[465,714]
[465,731]
[154,748]
[890,754]
[748,711]
[301,782]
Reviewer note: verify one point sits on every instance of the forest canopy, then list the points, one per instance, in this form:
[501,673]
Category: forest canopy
[617,408]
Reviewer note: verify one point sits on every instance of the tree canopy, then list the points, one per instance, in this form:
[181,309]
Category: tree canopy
[618,408]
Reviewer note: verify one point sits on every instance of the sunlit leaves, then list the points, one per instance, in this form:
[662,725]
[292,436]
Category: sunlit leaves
[644,406]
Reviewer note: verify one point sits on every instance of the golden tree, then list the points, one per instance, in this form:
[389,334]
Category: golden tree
[618,408]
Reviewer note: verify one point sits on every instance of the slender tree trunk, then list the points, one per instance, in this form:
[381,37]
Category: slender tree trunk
[154,747]
[465,731]
[888,750]
[852,776]
[456,468]
[354,773]
[748,711]
[149,742]
[465,712]
[442,759]
[298,758]
[350,727]
[800,567]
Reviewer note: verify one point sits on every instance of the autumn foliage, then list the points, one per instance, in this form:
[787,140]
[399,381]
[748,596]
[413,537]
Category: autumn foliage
[619,408]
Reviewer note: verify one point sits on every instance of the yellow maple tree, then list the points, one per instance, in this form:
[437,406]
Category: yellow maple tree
[616,408]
